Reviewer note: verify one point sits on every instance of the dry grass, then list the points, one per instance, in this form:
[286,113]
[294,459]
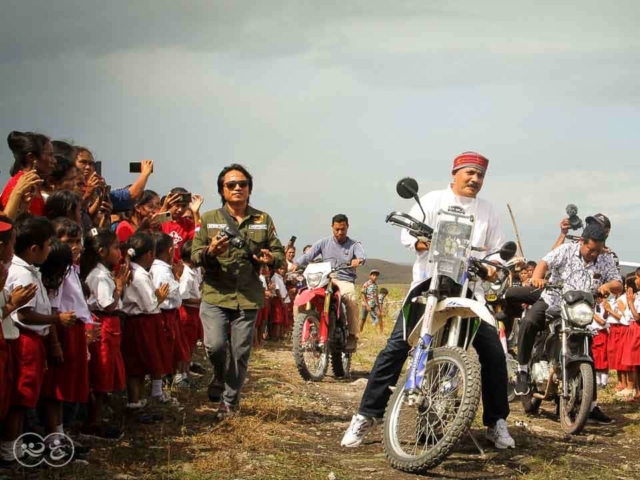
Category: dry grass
[290,429]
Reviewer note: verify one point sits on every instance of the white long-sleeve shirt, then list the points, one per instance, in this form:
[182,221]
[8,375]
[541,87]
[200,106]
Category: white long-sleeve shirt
[140,297]
[486,233]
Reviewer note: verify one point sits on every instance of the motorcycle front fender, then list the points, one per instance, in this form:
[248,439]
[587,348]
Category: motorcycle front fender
[453,307]
[305,296]
[579,358]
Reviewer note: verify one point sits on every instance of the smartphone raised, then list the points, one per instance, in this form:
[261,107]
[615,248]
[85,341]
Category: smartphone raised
[185,198]
[163,217]
[136,167]
[107,192]
[99,167]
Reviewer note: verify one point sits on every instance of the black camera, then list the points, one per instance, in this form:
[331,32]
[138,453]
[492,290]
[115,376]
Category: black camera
[234,240]
[575,222]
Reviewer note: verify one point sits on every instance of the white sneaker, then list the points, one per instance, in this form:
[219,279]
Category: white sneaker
[359,428]
[137,406]
[499,435]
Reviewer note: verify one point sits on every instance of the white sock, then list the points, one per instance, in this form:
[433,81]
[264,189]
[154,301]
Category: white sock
[523,368]
[604,377]
[156,388]
[6,451]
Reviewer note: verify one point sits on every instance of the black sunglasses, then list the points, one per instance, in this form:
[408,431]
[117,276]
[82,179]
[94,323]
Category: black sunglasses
[233,184]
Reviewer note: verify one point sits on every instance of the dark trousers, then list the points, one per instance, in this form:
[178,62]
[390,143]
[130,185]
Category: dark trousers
[388,367]
[514,297]
[532,323]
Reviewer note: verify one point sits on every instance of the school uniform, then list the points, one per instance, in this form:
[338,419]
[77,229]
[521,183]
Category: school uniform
[28,353]
[8,332]
[176,347]
[618,331]
[631,351]
[69,381]
[599,342]
[144,336]
[263,312]
[106,367]
[189,289]
[280,308]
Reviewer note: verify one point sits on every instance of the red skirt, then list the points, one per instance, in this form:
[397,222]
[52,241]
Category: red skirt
[263,314]
[6,376]
[28,358]
[143,341]
[69,381]
[106,367]
[599,350]
[191,325]
[278,313]
[631,350]
[177,348]
[615,347]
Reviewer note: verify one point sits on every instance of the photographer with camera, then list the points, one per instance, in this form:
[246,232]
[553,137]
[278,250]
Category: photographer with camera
[233,242]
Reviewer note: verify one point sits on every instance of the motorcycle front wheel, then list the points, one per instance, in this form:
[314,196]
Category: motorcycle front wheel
[310,355]
[574,411]
[421,430]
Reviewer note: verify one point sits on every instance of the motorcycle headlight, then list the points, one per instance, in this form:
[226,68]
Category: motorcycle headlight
[314,279]
[580,314]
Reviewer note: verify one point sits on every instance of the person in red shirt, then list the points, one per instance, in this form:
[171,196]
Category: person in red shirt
[181,228]
[31,151]
[142,215]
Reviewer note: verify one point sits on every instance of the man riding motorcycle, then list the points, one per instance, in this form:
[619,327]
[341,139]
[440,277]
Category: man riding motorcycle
[340,249]
[578,266]
[468,172]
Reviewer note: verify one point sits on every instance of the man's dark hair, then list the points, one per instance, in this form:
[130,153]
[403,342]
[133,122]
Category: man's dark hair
[230,168]
[638,271]
[531,263]
[340,218]
[185,251]
[32,230]
[595,232]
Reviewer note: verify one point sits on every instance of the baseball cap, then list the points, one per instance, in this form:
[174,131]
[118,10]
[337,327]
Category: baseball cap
[599,218]
[374,271]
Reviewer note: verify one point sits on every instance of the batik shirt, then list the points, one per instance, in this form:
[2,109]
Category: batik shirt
[567,266]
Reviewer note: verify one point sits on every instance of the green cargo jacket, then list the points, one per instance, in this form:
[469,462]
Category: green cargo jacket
[231,280]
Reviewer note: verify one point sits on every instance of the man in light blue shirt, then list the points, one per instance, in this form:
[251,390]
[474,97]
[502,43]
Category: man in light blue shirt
[339,249]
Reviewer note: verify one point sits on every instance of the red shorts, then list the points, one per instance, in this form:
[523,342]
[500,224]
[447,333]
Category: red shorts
[263,314]
[178,347]
[106,367]
[599,350]
[5,377]
[631,350]
[29,358]
[143,340]
[69,381]
[191,325]
[615,347]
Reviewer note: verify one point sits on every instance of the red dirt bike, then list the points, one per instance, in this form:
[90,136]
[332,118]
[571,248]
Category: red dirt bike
[320,329]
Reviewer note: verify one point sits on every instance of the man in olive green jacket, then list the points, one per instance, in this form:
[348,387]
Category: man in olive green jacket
[230,246]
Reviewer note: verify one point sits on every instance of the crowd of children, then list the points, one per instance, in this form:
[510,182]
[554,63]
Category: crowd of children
[616,346]
[98,292]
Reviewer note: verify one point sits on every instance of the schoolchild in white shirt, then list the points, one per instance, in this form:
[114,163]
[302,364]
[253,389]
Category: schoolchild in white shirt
[190,285]
[144,335]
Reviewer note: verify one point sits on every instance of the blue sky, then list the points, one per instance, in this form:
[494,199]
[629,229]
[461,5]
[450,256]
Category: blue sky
[329,103]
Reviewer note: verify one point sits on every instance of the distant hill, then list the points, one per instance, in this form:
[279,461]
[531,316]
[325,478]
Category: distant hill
[394,273]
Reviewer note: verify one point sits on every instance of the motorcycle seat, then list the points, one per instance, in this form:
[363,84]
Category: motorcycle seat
[553,314]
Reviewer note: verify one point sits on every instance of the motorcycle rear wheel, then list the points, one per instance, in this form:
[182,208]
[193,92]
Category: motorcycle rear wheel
[310,356]
[574,411]
[441,415]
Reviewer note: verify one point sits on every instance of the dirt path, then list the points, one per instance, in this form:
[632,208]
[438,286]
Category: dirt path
[602,452]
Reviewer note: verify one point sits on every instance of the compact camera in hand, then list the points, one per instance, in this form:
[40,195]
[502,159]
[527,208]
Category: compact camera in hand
[234,240]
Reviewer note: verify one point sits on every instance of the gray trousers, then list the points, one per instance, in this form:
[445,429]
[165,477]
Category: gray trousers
[220,325]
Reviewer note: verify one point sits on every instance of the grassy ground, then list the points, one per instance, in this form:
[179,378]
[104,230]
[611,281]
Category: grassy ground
[291,429]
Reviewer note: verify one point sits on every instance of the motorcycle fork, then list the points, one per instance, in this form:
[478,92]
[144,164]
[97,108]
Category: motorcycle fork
[326,324]
[421,353]
[565,355]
